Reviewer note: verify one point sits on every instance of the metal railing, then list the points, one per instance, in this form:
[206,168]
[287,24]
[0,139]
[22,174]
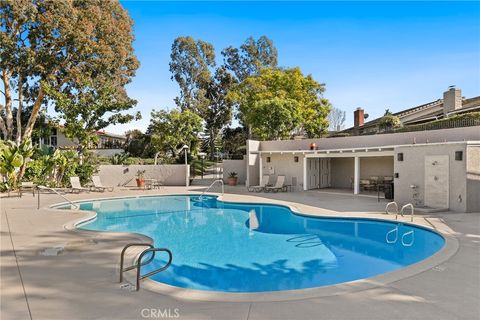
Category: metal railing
[122,257]
[402,210]
[151,273]
[412,210]
[394,204]
[211,185]
[56,192]
[139,263]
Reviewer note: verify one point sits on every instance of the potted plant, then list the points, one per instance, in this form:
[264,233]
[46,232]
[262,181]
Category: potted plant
[141,178]
[232,178]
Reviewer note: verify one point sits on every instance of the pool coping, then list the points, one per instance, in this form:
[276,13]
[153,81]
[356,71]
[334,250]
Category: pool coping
[450,247]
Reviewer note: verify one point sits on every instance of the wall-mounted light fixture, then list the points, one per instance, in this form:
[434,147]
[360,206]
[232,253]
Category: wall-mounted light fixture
[295,159]
[268,159]
[459,155]
[400,156]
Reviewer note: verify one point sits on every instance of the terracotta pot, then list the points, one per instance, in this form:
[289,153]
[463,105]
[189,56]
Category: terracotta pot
[140,183]
[232,181]
[313,146]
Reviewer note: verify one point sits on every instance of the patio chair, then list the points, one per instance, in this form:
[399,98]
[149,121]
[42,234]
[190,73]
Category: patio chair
[374,181]
[366,184]
[98,186]
[76,186]
[27,186]
[278,186]
[265,181]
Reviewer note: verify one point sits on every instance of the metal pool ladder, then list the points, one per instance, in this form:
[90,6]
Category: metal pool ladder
[213,183]
[138,263]
[402,210]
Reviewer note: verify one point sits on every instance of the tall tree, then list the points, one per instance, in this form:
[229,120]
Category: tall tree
[234,140]
[280,102]
[67,46]
[191,64]
[246,61]
[251,57]
[90,110]
[219,112]
[336,118]
[170,130]
[203,85]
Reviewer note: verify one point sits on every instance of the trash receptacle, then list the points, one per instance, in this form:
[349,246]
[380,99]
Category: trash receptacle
[388,187]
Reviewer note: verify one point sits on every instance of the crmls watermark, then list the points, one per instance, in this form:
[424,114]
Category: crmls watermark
[165,313]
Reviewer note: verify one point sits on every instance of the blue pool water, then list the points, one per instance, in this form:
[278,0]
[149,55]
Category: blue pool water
[216,246]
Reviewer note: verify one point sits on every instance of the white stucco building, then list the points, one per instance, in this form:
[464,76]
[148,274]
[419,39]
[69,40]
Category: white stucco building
[434,169]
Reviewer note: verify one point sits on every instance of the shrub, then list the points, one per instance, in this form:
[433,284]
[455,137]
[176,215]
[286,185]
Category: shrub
[389,122]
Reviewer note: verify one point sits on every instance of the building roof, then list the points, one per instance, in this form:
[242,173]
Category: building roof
[468,105]
[99,132]
[111,135]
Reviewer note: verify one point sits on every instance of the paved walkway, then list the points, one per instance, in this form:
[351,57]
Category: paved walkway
[80,282]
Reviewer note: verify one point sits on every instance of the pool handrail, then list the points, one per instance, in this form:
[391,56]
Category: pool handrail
[408,205]
[402,210]
[122,257]
[139,263]
[393,203]
[151,273]
[211,185]
[58,193]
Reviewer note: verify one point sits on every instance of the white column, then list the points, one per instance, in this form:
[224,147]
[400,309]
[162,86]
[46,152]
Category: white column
[356,176]
[304,173]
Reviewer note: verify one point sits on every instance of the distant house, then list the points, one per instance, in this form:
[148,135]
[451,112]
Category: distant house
[108,143]
[452,104]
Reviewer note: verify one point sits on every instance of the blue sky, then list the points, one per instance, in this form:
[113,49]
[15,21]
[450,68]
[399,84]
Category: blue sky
[374,55]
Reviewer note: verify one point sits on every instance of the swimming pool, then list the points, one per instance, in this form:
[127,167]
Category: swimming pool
[244,247]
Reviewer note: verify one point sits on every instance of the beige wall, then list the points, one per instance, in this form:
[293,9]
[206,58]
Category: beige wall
[342,172]
[412,171]
[169,175]
[376,166]
[238,166]
[283,164]
[430,136]
[473,178]
[63,141]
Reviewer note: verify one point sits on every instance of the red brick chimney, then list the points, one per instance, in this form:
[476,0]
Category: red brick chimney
[358,118]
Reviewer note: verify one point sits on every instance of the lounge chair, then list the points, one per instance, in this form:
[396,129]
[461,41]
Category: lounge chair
[263,184]
[76,186]
[98,186]
[27,186]
[278,186]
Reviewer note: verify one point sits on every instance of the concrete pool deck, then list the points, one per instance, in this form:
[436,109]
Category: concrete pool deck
[80,282]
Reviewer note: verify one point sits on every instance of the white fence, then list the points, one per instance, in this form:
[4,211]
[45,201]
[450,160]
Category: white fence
[125,175]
